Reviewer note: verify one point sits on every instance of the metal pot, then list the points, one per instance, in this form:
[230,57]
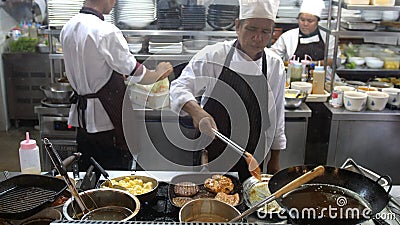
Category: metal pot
[57,92]
[342,189]
[97,198]
[207,210]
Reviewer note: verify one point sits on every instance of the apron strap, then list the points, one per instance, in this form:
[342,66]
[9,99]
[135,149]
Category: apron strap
[81,101]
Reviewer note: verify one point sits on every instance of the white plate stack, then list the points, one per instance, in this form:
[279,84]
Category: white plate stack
[135,13]
[167,45]
[60,11]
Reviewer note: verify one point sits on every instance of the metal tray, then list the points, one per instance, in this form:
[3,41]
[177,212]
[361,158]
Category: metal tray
[199,178]
[358,25]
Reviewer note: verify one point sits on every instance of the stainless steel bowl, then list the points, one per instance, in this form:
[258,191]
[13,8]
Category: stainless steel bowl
[57,92]
[102,198]
[294,98]
[207,210]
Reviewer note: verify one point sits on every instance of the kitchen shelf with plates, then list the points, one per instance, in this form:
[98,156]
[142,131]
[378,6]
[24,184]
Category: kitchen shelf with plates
[336,26]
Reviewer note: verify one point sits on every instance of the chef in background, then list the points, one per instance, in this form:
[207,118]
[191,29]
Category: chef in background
[241,84]
[96,55]
[307,39]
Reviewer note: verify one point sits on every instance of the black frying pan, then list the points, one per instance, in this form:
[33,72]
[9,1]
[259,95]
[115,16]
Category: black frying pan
[24,195]
[359,186]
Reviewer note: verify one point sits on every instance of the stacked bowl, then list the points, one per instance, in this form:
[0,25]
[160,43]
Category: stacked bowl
[222,17]
[168,15]
[193,17]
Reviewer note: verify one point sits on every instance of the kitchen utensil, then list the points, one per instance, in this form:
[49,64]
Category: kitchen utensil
[198,179]
[346,184]
[255,191]
[207,210]
[108,182]
[66,162]
[57,92]
[55,158]
[105,199]
[24,195]
[114,213]
[291,185]
[144,197]
[250,160]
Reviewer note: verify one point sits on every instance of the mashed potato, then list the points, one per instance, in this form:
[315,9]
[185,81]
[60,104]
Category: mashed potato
[134,186]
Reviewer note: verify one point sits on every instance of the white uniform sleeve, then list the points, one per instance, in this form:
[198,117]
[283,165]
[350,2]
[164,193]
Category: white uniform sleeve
[115,50]
[277,82]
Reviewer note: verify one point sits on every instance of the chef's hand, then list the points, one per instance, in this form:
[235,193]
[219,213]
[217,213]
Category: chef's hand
[201,119]
[164,69]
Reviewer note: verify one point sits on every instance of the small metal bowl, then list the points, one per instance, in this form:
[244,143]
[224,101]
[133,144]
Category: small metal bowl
[294,98]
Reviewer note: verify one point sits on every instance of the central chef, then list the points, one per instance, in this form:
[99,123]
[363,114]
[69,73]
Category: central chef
[241,84]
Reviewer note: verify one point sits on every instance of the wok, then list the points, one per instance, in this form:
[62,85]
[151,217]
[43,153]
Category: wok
[343,188]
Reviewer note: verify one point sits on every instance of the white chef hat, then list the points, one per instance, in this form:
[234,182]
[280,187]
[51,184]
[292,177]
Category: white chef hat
[313,7]
[258,9]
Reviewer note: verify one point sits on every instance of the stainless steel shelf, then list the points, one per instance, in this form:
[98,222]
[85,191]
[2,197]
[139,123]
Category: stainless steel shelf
[367,7]
[361,72]
[162,32]
[180,33]
[359,34]
[180,57]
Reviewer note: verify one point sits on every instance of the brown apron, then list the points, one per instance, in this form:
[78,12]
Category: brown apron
[253,93]
[315,50]
[111,96]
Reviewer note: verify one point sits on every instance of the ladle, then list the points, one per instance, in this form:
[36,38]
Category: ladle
[254,169]
[317,171]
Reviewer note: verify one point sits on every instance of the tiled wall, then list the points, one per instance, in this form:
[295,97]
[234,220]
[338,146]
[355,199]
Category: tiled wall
[6,23]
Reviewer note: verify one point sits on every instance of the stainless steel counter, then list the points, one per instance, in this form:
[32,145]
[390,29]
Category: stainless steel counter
[370,138]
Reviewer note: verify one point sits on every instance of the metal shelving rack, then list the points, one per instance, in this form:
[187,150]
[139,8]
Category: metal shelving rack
[154,57]
[333,28]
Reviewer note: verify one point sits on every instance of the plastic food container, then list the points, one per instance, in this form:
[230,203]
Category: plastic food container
[357,2]
[383,2]
[148,99]
[392,63]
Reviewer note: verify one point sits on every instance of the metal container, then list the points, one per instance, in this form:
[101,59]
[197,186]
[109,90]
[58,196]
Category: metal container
[207,210]
[144,197]
[294,98]
[97,198]
[57,92]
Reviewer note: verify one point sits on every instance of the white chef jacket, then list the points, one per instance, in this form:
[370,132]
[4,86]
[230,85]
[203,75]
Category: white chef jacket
[93,49]
[208,61]
[286,44]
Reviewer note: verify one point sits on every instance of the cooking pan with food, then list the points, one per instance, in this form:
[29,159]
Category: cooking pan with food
[24,195]
[351,198]
[143,187]
[186,187]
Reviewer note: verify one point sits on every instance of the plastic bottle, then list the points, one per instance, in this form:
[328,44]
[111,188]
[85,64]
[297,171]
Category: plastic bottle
[318,80]
[29,157]
[295,72]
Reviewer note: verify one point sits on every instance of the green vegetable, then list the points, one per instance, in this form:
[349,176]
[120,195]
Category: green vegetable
[24,44]
[351,65]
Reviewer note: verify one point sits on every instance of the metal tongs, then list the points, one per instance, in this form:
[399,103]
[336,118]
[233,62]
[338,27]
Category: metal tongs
[254,169]
[55,158]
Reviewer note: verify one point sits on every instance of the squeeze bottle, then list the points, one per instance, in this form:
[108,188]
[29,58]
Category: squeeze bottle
[29,157]
[318,84]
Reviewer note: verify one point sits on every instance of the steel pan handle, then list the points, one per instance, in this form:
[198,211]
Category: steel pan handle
[389,181]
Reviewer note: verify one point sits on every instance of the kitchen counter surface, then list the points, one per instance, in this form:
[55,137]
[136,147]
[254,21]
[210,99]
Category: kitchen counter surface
[343,114]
